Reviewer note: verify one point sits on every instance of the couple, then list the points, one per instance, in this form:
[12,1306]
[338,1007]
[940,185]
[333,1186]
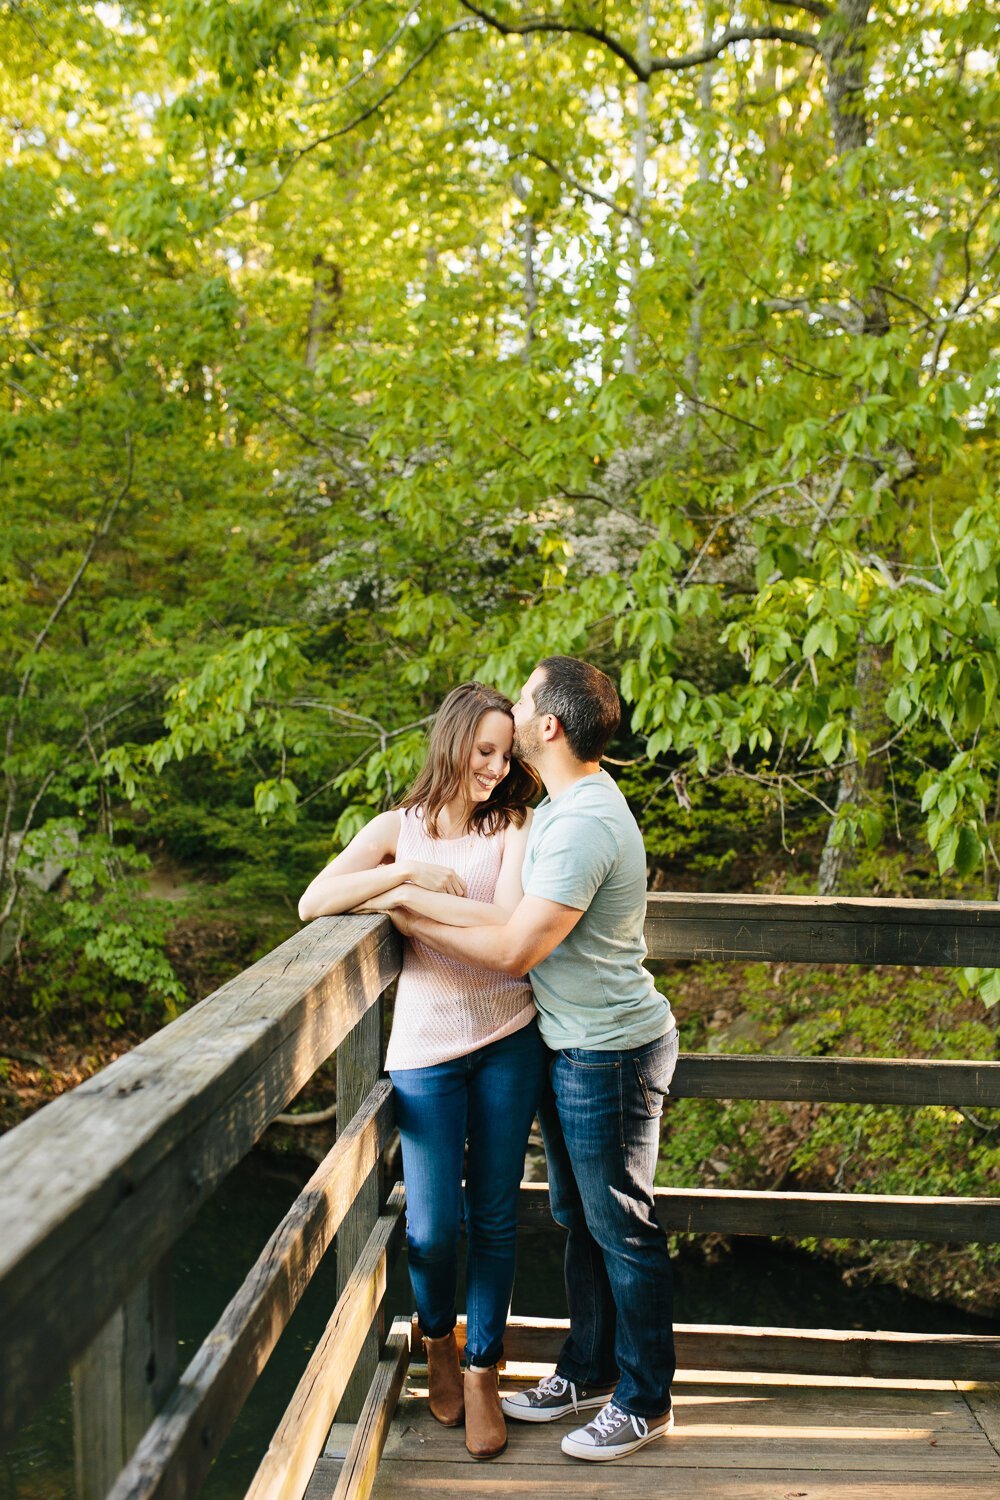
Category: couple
[487,893]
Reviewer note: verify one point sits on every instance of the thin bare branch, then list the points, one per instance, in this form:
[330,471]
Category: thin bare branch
[729,38]
[814,7]
[574,183]
[642,70]
[834,312]
[100,531]
[342,130]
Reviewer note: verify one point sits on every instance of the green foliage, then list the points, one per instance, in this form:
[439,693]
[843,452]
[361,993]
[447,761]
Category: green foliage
[817,1011]
[105,940]
[294,435]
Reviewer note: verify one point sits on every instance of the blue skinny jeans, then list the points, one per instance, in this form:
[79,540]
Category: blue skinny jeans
[487,1098]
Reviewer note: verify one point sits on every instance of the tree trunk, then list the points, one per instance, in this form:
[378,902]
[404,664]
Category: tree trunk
[328,289]
[692,363]
[844,56]
[859,784]
[528,255]
[630,362]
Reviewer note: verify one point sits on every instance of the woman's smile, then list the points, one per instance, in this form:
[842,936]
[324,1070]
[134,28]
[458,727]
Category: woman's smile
[489,762]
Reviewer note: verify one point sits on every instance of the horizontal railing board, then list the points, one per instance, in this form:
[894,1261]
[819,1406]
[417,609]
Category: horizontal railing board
[175,1453]
[357,1476]
[844,1080]
[297,1442]
[823,1215]
[791,1351]
[816,929]
[127,1158]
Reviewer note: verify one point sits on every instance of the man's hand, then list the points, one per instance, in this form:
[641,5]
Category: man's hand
[536,927]
[402,919]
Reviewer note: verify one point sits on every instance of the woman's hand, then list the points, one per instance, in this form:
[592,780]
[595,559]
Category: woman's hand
[385,902]
[436,878]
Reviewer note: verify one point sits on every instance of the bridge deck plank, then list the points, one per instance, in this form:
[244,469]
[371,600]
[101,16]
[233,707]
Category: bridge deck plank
[748,1437]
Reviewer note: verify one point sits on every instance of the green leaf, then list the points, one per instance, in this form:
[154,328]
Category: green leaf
[829,741]
[989,986]
[969,851]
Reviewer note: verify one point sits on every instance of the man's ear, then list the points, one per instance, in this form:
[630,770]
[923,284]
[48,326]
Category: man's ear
[551,728]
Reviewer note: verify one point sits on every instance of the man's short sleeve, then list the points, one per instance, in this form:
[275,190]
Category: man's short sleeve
[572,857]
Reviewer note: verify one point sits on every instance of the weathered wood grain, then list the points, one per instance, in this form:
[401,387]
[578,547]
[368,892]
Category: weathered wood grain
[793,1351]
[357,1477]
[983,1402]
[826,1215]
[814,929]
[176,1452]
[359,1063]
[324,1478]
[846,1080]
[758,1432]
[122,1381]
[457,1481]
[632,1481]
[733,1440]
[126,1159]
[297,1444]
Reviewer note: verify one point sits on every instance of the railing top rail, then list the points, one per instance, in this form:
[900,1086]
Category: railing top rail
[98,1185]
[829,908]
[816,929]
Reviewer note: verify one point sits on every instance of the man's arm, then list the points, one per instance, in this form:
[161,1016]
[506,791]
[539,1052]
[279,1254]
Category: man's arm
[530,934]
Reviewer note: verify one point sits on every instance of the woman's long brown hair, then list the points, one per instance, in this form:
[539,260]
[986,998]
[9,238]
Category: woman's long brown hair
[445,772]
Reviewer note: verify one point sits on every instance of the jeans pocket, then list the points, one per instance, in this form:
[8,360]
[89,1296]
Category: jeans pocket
[652,1097]
[585,1057]
[654,1069]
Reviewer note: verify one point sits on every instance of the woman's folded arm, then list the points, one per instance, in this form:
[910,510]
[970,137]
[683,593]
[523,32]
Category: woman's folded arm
[459,911]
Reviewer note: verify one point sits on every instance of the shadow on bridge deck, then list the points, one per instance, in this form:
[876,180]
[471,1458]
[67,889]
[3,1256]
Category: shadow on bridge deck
[738,1437]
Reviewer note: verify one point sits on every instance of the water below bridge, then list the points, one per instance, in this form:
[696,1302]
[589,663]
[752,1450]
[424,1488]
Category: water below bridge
[757,1284]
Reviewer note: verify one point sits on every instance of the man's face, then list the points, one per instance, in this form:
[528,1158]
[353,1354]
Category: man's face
[527,740]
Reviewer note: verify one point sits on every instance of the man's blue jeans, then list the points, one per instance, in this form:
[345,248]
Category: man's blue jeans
[601,1124]
[489,1098]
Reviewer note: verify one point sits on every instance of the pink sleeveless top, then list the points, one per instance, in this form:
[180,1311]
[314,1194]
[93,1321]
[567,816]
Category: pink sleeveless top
[446,1008]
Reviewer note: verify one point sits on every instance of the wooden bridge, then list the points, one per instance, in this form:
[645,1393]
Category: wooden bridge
[97,1187]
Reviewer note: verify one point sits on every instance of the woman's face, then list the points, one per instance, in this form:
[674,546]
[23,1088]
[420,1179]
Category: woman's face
[490,759]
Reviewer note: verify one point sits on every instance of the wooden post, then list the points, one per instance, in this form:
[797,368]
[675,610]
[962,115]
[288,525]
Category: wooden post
[359,1064]
[122,1381]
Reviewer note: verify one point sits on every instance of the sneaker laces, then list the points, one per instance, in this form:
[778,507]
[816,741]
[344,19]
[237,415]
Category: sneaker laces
[611,1417]
[551,1385]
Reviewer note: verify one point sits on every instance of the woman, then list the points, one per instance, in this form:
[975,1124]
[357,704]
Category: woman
[465,1057]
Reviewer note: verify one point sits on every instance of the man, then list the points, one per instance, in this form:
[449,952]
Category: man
[578,934]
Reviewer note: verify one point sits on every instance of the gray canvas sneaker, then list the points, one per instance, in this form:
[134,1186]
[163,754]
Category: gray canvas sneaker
[552,1398]
[613,1433]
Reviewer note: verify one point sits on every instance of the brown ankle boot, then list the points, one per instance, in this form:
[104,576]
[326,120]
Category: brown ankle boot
[445,1394]
[485,1428]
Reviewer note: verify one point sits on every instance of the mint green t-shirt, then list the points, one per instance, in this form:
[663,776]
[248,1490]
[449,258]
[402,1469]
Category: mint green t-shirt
[585,850]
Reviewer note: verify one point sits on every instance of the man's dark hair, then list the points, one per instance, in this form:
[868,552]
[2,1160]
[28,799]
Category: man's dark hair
[585,702]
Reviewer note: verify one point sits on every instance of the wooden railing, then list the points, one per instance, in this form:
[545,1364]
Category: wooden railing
[98,1186]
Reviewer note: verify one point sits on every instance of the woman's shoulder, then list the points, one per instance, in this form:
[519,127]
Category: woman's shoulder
[384,829]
